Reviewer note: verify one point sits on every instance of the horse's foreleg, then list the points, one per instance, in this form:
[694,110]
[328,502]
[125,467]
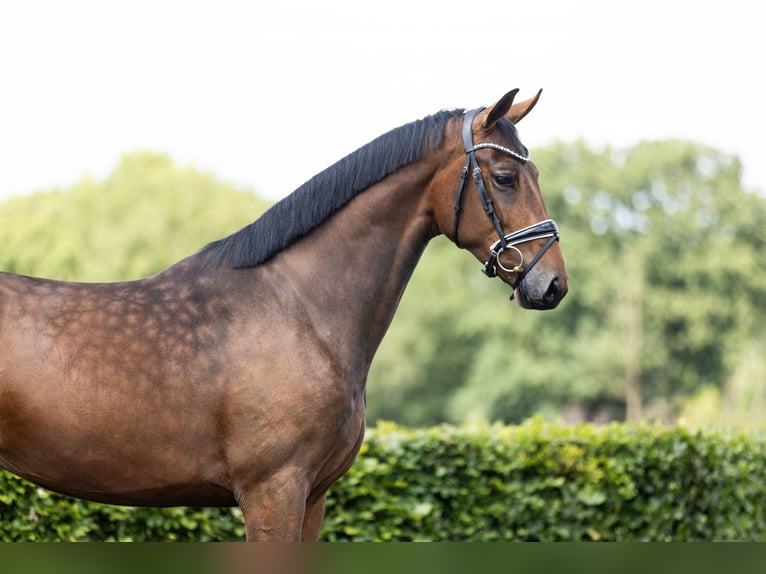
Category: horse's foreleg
[273,511]
[312,520]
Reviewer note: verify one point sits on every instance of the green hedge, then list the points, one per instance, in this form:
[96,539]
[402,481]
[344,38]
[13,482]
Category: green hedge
[535,481]
[545,482]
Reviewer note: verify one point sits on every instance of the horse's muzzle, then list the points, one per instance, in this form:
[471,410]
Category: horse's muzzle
[541,293]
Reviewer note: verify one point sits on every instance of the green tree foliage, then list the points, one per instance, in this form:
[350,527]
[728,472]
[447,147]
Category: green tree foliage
[662,245]
[146,216]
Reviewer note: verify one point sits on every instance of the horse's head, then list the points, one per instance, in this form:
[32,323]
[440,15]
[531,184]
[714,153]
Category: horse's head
[496,210]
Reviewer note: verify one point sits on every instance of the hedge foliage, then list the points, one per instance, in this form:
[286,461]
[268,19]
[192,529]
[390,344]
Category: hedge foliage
[545,482]
[535,481]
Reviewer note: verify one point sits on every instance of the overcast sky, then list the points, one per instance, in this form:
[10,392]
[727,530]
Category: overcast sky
[266,94]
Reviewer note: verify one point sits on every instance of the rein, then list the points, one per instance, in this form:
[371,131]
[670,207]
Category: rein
[541,230]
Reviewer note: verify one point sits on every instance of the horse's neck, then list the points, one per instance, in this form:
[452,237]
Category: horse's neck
[350,273]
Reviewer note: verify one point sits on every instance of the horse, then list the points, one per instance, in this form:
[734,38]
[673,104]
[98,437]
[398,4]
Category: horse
[237,375]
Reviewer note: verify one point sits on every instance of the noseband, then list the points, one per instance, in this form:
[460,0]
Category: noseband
[546,228]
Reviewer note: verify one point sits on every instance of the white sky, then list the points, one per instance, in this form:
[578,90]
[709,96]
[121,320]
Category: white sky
[266,94]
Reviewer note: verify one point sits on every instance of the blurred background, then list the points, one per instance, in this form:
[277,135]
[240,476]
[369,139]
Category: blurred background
[131,134]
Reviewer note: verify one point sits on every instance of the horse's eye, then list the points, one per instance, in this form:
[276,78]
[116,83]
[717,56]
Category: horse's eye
[503,180]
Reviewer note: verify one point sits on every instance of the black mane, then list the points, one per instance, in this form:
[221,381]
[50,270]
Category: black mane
[326,193]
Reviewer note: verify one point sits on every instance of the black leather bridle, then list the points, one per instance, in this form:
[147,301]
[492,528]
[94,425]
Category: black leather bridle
[541,230]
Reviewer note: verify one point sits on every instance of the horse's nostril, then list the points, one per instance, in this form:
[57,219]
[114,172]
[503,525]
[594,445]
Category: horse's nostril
[553,292]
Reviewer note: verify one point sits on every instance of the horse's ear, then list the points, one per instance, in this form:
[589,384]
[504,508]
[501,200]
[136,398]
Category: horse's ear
[518,111]
[501,108]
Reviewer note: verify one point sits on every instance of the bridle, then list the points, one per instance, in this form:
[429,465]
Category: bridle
[541,230]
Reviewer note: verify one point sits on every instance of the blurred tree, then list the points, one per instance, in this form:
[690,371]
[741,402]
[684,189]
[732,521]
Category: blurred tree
[662,246]
[147,215]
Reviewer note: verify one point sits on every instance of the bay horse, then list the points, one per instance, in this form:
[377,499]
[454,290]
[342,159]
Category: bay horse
[237,375]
